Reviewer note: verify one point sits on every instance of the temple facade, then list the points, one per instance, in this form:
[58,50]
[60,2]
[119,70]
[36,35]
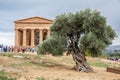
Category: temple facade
[32,31]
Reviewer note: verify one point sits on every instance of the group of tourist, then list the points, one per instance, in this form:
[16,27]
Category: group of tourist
[21,49]
[114,59]
[5,48]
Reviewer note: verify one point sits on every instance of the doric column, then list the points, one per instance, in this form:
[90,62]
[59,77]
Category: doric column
[32,38]
[16,37]
[41,36]
[24,37]
[48,33]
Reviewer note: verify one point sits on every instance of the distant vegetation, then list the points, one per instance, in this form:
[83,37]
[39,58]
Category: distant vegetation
[111,53]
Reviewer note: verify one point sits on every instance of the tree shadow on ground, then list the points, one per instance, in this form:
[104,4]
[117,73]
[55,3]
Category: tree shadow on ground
[52,65]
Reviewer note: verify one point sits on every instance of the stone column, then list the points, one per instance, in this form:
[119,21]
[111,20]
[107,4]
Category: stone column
[24,37]
[32,38]
[48,33]
[41,36]
[16,37]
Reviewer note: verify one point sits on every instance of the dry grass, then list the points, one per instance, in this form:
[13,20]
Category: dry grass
[47,67]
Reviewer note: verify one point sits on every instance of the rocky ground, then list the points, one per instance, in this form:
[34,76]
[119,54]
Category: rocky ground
[47,67]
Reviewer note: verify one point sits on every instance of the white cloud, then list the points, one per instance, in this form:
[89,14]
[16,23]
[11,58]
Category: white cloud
[116,41]
[7,38]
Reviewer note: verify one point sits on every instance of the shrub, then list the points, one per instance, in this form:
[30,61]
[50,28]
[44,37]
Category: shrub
[52,45]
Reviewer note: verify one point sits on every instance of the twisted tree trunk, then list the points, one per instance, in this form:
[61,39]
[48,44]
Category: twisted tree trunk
[78,56]
[81,63]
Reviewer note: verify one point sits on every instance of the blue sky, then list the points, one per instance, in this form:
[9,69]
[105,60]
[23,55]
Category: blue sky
[11,10]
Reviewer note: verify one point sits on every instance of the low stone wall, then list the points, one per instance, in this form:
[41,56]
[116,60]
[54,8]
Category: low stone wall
[114,70]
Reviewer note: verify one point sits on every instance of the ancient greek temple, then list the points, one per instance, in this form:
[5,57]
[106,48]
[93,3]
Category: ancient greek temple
[32,31]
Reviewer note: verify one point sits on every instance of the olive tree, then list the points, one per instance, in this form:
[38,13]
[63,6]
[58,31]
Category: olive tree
[80,32]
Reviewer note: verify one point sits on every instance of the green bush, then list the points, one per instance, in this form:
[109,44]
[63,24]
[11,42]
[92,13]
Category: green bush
[87,53]
[52,45]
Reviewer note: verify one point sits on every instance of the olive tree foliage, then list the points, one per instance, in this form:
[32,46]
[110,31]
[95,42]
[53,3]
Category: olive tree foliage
[97,36]
[77,33]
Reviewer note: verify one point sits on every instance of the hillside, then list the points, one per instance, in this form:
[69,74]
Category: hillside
[47,67]
[114,47]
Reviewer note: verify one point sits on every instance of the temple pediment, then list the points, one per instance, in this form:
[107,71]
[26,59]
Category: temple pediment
[35,20]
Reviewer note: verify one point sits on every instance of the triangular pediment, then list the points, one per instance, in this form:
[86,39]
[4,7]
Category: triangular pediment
[34,20]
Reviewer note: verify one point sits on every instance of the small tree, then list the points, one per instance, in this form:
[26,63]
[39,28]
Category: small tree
[83,31]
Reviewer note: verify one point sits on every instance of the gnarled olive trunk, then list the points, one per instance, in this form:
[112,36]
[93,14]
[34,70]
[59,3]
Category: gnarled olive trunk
[78,56]
[81,63]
